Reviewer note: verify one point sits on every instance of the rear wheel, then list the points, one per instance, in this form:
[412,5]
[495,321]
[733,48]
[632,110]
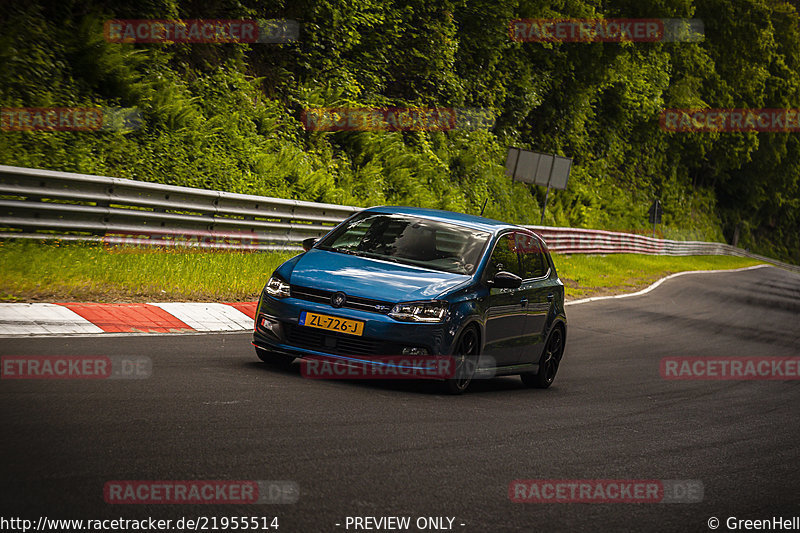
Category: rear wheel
[466,361]
[548,362]
[274,359]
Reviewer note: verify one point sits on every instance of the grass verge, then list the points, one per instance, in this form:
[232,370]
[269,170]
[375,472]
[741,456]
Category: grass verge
[585,276]
[31,271]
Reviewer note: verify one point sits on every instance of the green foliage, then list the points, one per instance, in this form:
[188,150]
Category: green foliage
[228,116]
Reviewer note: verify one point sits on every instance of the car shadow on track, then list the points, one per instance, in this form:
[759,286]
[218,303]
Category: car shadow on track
[414,386]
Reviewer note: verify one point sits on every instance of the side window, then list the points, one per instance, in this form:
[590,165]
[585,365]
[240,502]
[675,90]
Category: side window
[534,264]
[504,257]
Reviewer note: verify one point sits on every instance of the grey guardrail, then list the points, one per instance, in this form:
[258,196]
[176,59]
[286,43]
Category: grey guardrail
[592,241]
[45,204]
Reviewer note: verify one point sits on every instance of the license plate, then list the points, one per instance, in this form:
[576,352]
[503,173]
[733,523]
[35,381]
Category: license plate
[331,323]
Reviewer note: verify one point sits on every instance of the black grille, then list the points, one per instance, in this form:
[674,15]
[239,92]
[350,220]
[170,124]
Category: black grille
[352,302]
[336,343]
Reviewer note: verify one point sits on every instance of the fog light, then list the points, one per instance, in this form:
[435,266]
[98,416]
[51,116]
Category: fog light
[413,350]
[269,325]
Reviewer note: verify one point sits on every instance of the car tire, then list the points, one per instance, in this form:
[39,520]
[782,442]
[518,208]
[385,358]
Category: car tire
[274,359]
[466,360]
[548,362]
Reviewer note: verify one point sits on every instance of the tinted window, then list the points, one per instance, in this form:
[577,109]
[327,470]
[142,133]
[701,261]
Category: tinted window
[534,264]
[504,257]
[411,240]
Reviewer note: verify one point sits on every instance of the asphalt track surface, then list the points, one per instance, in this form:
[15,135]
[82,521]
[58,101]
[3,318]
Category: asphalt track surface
[212,411]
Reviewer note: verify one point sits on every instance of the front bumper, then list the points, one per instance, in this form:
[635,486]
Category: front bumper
[277,330]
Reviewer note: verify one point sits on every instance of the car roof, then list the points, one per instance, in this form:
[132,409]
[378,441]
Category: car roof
[461,219]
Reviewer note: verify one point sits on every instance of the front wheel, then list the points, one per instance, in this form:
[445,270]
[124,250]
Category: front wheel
[548,362]
[466,361]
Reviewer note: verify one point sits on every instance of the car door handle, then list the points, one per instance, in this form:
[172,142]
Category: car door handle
[550,297]
[523,302]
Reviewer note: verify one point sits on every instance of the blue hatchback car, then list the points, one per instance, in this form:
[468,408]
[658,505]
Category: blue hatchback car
[421,283]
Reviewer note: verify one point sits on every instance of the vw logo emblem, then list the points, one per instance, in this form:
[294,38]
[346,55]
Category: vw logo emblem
[338,299]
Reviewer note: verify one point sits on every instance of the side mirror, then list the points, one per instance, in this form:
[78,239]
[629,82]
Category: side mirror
[309,243]
[506,280]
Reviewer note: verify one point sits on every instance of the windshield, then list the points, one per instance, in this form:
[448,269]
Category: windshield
[409,240]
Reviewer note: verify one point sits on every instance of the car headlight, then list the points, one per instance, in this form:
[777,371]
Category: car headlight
[419,311]
[277,288]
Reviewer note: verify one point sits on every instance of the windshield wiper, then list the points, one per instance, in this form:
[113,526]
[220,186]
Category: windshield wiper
[373,255]
[339,250]
[361,253]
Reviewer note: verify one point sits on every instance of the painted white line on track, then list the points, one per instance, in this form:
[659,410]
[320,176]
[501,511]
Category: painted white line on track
[659,282]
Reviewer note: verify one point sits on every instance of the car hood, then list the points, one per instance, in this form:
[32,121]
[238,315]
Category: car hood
[371,278]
